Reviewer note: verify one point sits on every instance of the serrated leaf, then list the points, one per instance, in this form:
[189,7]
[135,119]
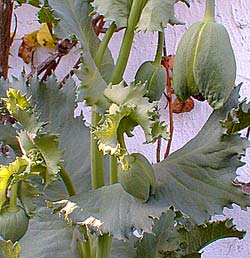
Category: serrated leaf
[114,10]
[75,19]
[177,240]
[9,250]
[21,110]
[73,135]
[156,14]
[124,215]
[190,241]
[6,172]
[46,15]
[31,138]
[128,102]
[237,118]
[151,244]
[197,179]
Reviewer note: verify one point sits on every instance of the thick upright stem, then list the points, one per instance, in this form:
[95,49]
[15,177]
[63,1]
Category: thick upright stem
[13,197]
[158,55]
[127,41]
[6,9]
[210,10]
[97,159]
[121,64]
[103,246]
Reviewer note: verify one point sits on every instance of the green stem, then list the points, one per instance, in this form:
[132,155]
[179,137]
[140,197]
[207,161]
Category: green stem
[210,11]
[97,158]
[122,60]
[121,64]
[13,197]
[103,246]
[84,249]
[67,182]
[158,55]
[104,44]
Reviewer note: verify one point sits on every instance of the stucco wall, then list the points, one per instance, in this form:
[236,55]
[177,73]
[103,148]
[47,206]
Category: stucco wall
[235,15]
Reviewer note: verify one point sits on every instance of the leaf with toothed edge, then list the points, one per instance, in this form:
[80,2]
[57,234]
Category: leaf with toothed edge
[177,240]
[31,138]
[197,179]
[128,102]
[237,118]
[164,9]
[75,19]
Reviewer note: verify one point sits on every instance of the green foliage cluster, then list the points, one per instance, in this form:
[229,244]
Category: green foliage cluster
[55,169]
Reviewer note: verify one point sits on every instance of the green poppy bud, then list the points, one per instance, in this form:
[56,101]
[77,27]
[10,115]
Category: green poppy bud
[138,179]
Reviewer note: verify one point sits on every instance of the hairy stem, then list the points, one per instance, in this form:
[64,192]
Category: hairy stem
[13,197]
[210,10]
[103,246]
[158,55]
[127,41]
[6,9]
[67,182]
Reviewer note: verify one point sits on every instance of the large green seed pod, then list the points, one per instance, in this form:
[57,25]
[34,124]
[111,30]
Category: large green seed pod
[205,63]
[13,225]
[139,179]
[156,78]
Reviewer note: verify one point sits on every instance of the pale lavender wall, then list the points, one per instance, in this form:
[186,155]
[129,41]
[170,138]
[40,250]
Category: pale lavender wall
[235,15]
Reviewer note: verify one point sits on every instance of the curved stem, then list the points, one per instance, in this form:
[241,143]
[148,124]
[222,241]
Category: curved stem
[210,10]
[158,55]
[13,197]
[67,181]
[127,41]
[104,44]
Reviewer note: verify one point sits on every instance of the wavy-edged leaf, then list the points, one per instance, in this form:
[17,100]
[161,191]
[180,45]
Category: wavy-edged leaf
[6,172]
[237,118]
[188,241]
[123,215]
[156,14]
[31,138]
[114,10]
[74,136]
[128,102]
[151,244]
[9,250]
[179,240]
[197,179]
[75,19]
